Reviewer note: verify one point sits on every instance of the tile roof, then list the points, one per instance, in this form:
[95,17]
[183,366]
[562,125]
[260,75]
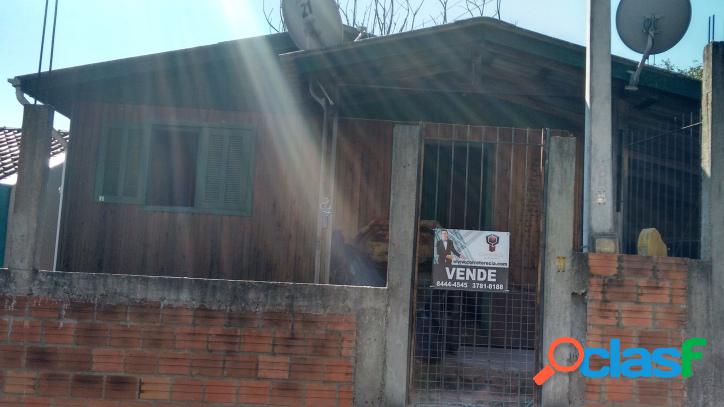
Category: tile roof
[10,149]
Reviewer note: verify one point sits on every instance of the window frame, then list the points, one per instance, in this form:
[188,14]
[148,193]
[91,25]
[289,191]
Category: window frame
[201,159]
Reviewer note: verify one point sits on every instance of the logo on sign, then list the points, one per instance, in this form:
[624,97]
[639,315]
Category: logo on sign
[492,241]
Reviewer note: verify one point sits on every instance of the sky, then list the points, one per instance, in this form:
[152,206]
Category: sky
[91,31]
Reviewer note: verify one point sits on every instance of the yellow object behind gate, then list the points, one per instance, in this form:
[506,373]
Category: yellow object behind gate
[651,244]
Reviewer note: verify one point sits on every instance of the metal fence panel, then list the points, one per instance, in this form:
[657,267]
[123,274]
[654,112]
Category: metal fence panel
[479,348]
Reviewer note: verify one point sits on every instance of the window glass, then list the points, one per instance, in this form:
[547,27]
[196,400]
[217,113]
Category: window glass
[172,167]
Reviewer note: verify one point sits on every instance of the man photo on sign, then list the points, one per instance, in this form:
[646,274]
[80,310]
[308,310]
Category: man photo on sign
[446,249]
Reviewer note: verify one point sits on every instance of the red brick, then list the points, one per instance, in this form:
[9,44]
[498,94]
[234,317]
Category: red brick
[92,334]
[44,308]
[278,321]
[19,383]
[158,337]
[11,356]
[254,392]
[346,394]
[254,340]
[111,312]
[174,363]
[54,384]
[122,387]
[191,338]
[79,311]
[173,316]
[291,346]
[307,368]
[321,395]
[619,390]
[209,317]
[147,313]
[141,362]
[68,359]
[243,320]
[58,332]
[244,366]
[207,364]
[24,331]
[615,290]
[287,394]
[125,336]
[64,402]
[652,393]
[87,386]
[26,401]
[155,388]
[224,339]
[220,391]
[602,314]
[273,367]
[339,370]
[108,360]
[187,390]
[329,346]
[15,306]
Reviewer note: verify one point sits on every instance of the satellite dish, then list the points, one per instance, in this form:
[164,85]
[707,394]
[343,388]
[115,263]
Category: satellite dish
[651,27]
[313,24]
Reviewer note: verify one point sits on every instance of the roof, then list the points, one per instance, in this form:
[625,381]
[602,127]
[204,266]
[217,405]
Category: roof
[484,30]
[226,75]
[10,149]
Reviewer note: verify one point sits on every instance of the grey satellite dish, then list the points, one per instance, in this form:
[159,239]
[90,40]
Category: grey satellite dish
[313,24]
[651,27]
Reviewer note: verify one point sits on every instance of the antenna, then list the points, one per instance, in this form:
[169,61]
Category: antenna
[651,27]
[313,24]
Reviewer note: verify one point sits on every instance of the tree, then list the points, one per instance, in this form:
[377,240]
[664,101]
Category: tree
[385,17]
[695,71]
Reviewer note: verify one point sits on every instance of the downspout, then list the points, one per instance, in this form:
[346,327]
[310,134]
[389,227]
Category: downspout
[326,178]
[65,145]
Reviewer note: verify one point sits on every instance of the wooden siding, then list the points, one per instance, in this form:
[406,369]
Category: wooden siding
[275,243]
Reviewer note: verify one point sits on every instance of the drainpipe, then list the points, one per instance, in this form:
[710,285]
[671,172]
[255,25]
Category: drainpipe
[64,143]
[326,184]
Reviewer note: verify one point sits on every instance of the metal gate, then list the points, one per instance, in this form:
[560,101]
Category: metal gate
[660,184]
[479,348]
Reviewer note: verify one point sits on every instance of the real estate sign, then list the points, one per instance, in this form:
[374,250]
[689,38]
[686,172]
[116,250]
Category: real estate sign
[471,260]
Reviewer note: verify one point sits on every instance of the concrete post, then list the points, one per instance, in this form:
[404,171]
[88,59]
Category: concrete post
[599,233]
[404,204]
[564,311]
[706,281]
[24,228]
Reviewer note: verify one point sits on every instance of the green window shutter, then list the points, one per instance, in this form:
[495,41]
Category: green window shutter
[226,171]
[121,164]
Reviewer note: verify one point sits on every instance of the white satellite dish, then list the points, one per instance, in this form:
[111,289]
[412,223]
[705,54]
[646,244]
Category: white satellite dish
[651,27]
[313,24]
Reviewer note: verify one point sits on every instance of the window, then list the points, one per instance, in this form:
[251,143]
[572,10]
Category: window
[192,168]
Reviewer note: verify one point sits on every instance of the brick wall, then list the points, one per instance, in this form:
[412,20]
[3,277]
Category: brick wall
[76,353]
[642,301]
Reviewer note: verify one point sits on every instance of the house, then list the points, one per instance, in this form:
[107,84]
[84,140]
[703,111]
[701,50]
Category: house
[9,155]
[253,160]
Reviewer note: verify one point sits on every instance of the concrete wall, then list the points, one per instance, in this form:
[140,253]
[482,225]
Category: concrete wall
[49,218]
[151,341]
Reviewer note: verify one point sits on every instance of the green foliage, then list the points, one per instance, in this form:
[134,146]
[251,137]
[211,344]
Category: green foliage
[694,71]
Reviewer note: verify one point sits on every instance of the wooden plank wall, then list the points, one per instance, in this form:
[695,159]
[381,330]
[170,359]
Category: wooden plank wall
[275,244]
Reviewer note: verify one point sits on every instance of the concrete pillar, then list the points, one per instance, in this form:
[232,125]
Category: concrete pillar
[706,280]
[404,204]
[24,229]
[599,213]
[712,153]
[564,310]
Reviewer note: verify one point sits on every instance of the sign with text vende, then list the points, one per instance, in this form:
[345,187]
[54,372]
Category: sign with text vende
[471,260]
